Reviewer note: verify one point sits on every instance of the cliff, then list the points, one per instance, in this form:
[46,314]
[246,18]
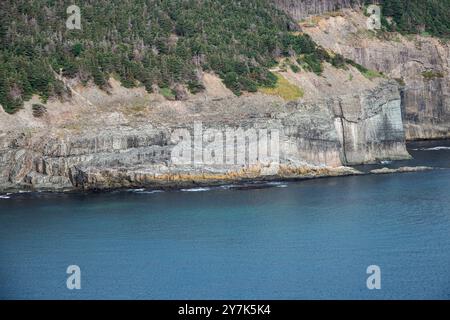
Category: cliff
[124,138]
[128,138]
[421,65]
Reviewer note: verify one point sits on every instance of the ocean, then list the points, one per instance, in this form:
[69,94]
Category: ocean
[310,239]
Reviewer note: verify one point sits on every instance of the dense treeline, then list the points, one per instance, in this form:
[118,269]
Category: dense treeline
[161,43]
[166,43]
[417,16]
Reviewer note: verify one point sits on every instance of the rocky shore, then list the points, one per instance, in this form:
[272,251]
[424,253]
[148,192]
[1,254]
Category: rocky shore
[133,142]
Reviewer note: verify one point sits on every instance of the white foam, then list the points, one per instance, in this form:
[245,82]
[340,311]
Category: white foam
[144,191]
[196,190]
[277,184]
[150,191]
[432,149]
[135,190]
[5,197]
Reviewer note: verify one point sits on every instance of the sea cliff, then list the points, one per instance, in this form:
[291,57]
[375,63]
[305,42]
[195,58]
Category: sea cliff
[126,139]
[420,64]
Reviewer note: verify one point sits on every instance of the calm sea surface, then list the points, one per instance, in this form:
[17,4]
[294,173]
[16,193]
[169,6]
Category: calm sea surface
[303,240]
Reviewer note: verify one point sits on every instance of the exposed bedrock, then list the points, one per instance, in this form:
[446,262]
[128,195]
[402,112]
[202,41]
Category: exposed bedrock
[370,126]
[305,139]
[420,64]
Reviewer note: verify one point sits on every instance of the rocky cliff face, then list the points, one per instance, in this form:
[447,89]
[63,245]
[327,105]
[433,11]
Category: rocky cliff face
[135,141]
[370,126]
[128,138]
[420,64]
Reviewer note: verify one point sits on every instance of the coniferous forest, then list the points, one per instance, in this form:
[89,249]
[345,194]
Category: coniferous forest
[141,42]
[164,43]
[417,16]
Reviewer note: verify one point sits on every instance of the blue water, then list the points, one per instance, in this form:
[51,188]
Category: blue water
[302,240]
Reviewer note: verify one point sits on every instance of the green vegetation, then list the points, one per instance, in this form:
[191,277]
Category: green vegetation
[372,74]
[168,43]
[429,17]
[312,63]
[294,68]
[432,74]
[148,43]
[338,61]
[369,74]
[167,93]
[284,89]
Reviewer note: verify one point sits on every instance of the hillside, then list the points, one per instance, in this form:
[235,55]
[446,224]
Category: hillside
[162,45]
[166,45]
[405,16]
[97,108]
[417,16]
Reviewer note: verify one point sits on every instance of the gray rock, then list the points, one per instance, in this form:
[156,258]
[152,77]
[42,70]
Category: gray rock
[316,138]
[420,64]
[400,170]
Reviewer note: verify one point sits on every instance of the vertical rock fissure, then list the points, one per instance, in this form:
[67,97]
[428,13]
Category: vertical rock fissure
[341,117]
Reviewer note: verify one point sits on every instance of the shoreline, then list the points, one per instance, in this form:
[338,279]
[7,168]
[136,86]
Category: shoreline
[243,184]
[180,185]
[251,182]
